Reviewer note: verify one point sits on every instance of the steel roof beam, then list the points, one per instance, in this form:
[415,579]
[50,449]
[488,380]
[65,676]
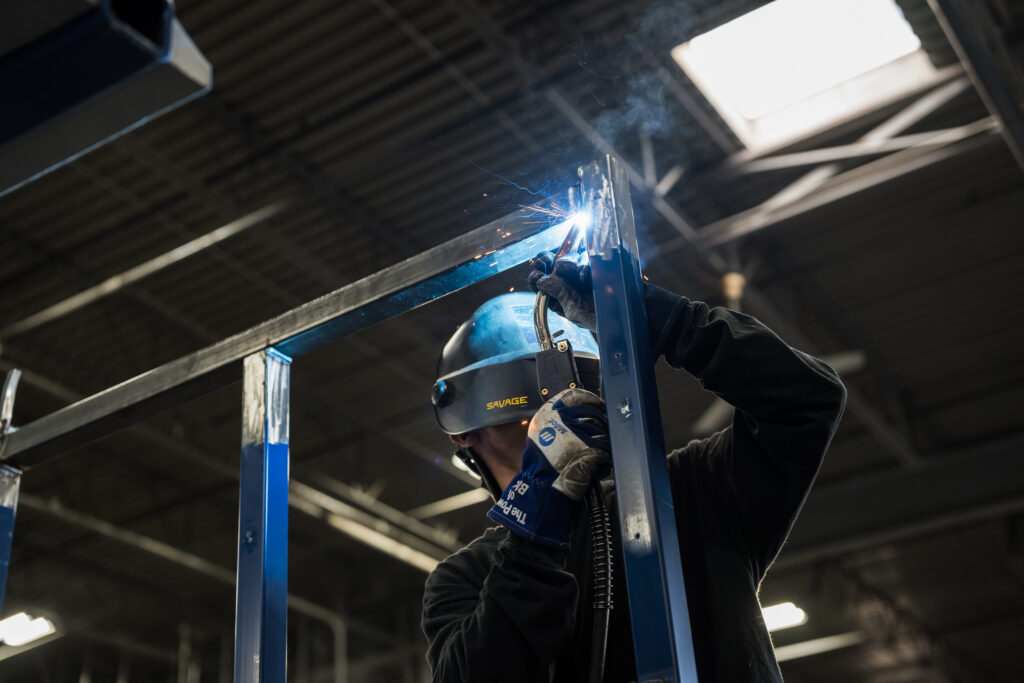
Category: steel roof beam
[116,283]
[898,504]
[861,149]
[981,48]
[760,216]
[183,558]
[838,187]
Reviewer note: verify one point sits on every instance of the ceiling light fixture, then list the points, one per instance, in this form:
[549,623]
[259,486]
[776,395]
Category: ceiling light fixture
[783,615]
[20,629]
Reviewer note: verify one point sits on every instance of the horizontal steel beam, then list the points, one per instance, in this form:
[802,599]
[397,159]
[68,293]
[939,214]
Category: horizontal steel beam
[840,187]
[402,528]
[185,559]
[116,283]
[894,505]
[981,47]
[449,267]
[450,504]
[857,150]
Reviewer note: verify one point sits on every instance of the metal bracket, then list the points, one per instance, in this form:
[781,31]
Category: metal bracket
[7,407]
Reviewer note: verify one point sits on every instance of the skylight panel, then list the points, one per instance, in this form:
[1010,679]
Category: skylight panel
[794,66]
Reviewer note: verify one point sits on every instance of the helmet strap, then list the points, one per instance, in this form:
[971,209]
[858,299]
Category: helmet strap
[477,464]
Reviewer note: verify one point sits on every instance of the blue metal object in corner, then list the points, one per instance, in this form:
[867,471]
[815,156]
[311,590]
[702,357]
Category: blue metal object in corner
[261,597]
[10,483]
[662,638]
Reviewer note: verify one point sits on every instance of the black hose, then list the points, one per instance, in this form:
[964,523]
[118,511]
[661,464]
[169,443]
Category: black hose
[601,543]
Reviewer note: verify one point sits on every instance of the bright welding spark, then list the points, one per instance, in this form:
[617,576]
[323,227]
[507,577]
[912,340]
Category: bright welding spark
[578,222]
[580,219]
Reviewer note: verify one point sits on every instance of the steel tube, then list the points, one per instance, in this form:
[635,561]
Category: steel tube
[262,585]
[10,485]
[662,638]
[488,250]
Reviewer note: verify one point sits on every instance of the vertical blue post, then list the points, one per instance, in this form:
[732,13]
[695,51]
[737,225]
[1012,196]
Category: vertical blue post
[261,594]
[10,483]
[654,576]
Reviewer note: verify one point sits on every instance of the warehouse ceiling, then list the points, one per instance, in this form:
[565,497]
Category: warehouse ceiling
[386,127]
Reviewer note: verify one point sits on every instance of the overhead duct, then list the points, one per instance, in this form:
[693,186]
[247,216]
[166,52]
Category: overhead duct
[75,74]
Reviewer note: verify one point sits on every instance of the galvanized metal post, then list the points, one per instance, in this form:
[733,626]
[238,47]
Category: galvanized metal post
[261,594]
[10,483]
[654,577]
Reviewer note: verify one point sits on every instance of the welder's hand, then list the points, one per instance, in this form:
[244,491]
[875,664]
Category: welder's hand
[567,451]
[571,293]
[569,287]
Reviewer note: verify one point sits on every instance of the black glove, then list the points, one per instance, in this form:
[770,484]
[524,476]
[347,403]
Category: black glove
[571,292]
[568,286]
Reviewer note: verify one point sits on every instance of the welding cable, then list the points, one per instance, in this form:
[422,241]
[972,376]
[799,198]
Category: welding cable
[601,555]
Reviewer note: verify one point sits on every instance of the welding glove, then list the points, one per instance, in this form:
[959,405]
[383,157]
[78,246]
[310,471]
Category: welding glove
[566,452]
[571,292]
[568,286]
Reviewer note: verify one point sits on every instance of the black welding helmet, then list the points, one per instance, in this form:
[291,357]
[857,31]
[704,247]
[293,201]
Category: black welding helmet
[486,374]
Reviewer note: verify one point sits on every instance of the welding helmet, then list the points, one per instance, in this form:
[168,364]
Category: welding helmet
[487,375]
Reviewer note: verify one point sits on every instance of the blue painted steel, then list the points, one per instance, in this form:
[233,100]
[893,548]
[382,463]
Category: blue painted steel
[262,586]
[10,483]
[657,597]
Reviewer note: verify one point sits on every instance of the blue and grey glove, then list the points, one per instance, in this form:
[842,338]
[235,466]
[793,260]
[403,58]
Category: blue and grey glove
[571,291]
[566,450]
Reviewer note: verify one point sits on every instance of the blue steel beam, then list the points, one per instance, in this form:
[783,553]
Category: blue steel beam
[10,483]
[650,547]
[261,592]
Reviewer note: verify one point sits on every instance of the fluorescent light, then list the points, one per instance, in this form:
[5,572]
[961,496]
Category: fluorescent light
[802,64]
[382,542]
[21,628]
[817,646]
[456,502]
[783,615]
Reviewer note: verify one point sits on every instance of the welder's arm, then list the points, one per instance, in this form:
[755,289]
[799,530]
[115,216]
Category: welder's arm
[509,627]
[788,405]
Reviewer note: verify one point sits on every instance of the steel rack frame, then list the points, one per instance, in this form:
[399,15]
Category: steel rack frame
[262,355]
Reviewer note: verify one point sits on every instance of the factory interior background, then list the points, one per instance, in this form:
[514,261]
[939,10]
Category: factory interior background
[841,170]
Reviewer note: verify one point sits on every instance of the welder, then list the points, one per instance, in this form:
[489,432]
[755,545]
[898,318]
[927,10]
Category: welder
[513,605]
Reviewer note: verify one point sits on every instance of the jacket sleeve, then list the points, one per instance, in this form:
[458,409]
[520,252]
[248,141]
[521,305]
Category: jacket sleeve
[788,404]
[503,620]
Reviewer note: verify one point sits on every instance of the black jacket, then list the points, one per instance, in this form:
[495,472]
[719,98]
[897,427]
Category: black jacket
[504,609]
